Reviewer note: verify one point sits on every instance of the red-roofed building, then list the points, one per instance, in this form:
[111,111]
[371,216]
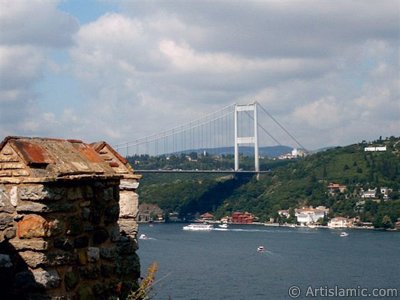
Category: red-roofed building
[207,217]
[242,218]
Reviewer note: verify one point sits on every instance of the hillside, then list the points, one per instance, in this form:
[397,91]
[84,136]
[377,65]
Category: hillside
[291,184]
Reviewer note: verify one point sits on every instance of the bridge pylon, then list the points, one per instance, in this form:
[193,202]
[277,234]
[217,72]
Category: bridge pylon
[250,138]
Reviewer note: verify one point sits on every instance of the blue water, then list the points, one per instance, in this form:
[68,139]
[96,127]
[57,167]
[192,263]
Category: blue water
[226,265]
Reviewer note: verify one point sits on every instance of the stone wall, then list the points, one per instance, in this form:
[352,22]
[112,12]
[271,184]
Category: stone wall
[64,239]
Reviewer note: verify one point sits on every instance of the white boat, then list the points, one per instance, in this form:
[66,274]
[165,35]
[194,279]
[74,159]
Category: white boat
[143,237]
[224,225]
[261,249]
[198,227]
[343,234]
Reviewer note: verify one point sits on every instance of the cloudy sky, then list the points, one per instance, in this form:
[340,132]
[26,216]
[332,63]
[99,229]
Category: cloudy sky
[120,70]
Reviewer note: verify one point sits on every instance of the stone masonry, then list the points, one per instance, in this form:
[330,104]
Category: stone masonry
[67,220]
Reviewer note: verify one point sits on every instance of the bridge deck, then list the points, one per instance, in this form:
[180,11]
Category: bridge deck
[201,171]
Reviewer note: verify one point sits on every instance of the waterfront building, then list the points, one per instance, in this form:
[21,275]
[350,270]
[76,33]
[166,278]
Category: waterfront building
[310,215]
[242,218]
[339,222]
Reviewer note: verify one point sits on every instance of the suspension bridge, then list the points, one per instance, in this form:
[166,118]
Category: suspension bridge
[231,128]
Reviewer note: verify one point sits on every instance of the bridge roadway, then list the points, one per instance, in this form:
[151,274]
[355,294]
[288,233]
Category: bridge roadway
[202,171]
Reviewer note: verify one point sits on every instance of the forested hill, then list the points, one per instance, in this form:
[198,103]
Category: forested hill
[291,184]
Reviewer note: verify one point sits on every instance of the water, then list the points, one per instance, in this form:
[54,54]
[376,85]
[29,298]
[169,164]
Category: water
[225,264]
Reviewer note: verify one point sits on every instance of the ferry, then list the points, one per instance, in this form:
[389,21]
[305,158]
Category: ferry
[198,227]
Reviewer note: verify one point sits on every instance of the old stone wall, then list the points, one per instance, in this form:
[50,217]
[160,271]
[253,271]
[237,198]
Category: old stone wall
[68,239]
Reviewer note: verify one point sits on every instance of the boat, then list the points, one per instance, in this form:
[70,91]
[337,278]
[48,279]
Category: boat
[311,226]
[143,237]
[261,249]
[198,227]
[343,234]
[224,225]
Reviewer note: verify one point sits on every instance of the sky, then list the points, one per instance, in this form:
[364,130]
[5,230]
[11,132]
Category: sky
[111,70]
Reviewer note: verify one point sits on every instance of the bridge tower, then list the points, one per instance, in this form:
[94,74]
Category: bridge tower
[251,139]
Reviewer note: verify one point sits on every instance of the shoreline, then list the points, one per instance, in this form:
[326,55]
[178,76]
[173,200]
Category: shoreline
[280,225]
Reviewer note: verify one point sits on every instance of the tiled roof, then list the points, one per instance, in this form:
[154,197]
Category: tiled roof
[118,163]
[50,158]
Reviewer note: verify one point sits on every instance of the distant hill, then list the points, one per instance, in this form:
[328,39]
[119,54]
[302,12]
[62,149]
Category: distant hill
[291,184]
[270,151]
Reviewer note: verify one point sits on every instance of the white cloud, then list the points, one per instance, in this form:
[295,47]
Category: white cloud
[325,73]
[35,22]
[29,30]
[323,113]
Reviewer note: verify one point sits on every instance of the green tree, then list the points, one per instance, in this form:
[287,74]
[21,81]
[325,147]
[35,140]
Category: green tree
[387,222]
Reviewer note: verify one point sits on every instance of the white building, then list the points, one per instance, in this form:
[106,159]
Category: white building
[339,222]
[375,149]
[310,215]
[294,154]
[370,194]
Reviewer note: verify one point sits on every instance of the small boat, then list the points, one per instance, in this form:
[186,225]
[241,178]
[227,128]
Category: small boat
[143,237]
[198,227]
[343,234]
[224,225]
[261,249]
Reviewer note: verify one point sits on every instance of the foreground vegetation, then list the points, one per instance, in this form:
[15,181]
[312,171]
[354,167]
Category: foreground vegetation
[290,184]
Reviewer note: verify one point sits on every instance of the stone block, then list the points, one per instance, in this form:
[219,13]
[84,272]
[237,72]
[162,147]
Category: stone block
[33,192]
[29,244]
[6,220]
[60,258]
[93,254]
[14,196]
[10,233]
[49,279]
[128,203]
[129,184]
[5,201]
[33,258]
[82,257]
[128,227]
[29,206]
[108,253]
[32,226]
